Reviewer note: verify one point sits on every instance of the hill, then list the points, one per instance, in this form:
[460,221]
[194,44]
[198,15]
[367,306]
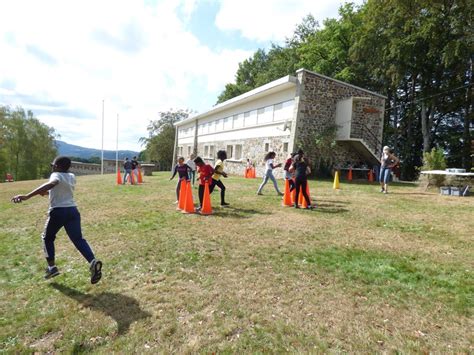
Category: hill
[72,150]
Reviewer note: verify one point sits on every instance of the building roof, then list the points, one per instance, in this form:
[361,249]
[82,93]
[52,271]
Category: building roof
[270,88]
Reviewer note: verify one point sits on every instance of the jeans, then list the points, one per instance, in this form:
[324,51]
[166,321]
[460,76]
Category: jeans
[192,176]
[268,175]
[221,186]
[70,219]
[384,175]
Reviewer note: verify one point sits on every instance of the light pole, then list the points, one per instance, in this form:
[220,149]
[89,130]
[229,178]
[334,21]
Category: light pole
[102,153]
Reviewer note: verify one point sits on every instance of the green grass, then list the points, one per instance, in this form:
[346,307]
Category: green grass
[364,272]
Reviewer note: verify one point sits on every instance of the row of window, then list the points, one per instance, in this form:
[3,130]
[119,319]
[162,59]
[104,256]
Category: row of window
[234,151]
[273,113]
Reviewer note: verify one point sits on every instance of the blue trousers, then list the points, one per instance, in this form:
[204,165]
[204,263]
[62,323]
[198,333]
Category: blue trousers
[70,219]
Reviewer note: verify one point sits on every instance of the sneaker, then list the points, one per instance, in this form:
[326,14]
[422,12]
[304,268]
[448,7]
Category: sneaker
[296,206]
[51,272]
[176,202]
[96,271]
[259,193]
[309,207]
[385,191]
[225,204]
[382,190]
[280,193]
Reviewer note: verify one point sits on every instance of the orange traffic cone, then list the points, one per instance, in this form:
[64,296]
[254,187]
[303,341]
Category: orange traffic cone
[132,180]
[188,204]
[304,204]
[182,195]
[371,176]
[119,178]
[140,177]
[287,196]
[349,175]
[206,208]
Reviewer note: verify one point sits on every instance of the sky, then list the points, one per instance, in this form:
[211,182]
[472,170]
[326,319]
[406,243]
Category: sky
[67,60]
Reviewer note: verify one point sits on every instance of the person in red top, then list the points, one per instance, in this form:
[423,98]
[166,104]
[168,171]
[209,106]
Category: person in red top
[205,176]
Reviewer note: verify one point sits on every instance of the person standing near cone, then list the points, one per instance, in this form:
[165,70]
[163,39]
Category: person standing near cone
[205,177]
[127,167]
[288,174]
[135,167]
[302,170]
[183,173]
[192,166]
[218,172]
[269,166]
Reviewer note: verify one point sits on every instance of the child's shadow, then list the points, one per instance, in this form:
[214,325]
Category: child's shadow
[123,309]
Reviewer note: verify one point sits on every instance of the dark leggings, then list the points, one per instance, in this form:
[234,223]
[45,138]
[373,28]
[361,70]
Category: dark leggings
[201,194]
[70,219]
[221,186]
[292,184]
[301,185]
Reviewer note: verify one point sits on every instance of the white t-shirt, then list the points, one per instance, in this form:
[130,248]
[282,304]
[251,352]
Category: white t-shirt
[191,164]
[268,165]
[62,195]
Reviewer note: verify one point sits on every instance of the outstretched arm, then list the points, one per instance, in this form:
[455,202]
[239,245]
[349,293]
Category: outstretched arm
[41,190]
[174,172]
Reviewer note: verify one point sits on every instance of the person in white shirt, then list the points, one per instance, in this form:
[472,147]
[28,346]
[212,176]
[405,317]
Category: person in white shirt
[62,212]
[269,166]
[192,166]
[387,162]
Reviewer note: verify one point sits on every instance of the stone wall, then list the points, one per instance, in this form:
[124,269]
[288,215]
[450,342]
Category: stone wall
[253,149]
[79,168]
[316,112]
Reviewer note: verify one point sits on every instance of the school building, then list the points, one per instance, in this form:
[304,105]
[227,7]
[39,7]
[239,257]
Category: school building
[283,116]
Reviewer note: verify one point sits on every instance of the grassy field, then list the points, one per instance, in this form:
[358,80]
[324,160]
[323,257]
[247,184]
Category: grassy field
[364,272]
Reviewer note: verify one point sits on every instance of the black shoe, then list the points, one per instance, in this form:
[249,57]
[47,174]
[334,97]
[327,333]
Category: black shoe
[96,271]
[50,273]
[225,204]
[296,206]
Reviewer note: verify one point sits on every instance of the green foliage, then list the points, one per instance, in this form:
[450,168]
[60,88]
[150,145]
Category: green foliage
[418,53]
[26,145]
[434,160]
[324,144]
[161,137]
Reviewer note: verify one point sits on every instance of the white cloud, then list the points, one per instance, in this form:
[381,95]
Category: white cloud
[140,59]
[272,20]
[63,57]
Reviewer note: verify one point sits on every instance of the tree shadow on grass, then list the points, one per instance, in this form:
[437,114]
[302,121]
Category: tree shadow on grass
[123,309]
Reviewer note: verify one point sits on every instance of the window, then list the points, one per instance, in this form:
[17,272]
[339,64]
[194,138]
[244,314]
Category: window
[180,151]
[227,123]
[230,151]
[250,118]
[219,124]
[189,150]
[212,127]
[284,111]
[211,151]
[206,150]
[265,115]
[239,120]
[267,147]
[285,147]
[238,151]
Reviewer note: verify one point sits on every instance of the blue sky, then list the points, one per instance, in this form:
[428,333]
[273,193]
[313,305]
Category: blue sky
[60,59]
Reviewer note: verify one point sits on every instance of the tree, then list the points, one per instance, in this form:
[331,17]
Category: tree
[26,145]
[161,137]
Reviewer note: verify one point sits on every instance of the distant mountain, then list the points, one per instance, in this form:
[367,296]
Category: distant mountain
[71,150]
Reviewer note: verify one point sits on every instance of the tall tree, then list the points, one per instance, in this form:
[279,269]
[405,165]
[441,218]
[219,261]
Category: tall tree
[26,145]
[161,136]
